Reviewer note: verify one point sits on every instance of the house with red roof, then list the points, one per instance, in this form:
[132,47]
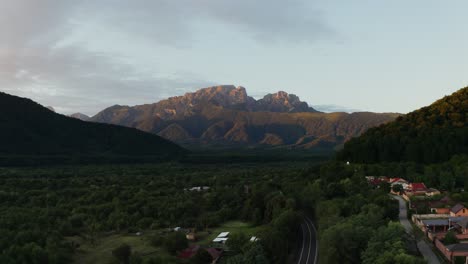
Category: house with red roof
[417,188]
[394,181]
[215,253]
[191,251]
[375,182]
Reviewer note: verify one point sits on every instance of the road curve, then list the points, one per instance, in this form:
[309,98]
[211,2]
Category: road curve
[423,246]
[308,252]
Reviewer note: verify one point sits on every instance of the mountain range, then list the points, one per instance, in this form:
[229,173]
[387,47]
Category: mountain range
[27,128]
[225,116]
[432,134]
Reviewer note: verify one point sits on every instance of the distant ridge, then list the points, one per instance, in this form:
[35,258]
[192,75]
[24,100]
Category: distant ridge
[431,134]
[225,116]
[27,128]
[80,116]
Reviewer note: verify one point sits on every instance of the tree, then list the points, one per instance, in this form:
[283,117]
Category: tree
[202,257]
[387,245]
[122,253]
[236,241]
[397,188]
[175,241]
[450,238]
[136,258]
[255,255]
[384,186]
[237,259]
[257,216]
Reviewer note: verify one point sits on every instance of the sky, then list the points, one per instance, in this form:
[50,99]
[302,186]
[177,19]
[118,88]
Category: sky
[374,55]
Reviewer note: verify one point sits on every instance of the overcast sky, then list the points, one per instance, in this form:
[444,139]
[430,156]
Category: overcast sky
[383,56]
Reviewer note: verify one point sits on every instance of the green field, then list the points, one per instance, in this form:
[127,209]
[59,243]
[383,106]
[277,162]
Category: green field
[232,227]
[101,251]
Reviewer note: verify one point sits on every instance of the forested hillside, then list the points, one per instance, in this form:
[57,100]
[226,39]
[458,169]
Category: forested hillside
[27,128]
[429,135]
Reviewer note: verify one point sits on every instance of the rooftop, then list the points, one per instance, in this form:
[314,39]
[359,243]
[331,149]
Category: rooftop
[223,234]
[189,252]
[463,223]
[220,239]
[393,180]
[442,222]
[215,252]
[418,186]
[457,208]
[458,247]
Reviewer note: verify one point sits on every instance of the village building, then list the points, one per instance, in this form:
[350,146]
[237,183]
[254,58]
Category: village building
[215,253]
[394,181]
[254,239]
[462,229]
[374,181]
[417,188]
[440,225]
[452,251]
[191,236]
[221,238]
[432,192]
[435,225]
[441,206]
[191,251]
[459,210]
[440,210]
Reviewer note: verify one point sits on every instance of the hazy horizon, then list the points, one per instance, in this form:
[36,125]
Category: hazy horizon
[86,56]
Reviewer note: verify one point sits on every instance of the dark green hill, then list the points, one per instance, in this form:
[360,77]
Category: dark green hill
[27,128]
[429,135]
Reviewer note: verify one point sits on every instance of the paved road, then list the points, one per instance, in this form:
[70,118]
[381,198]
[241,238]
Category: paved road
[423,246]
[308,252]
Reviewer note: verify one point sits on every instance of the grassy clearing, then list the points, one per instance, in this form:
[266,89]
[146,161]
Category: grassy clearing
[231,226]
[101,251]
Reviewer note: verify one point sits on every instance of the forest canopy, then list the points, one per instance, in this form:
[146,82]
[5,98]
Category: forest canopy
[431,134]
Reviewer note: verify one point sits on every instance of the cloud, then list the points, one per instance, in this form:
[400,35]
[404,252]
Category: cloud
[35,62]
[71,79]
[26,23]
[268,20]
[331,108]
[173,21]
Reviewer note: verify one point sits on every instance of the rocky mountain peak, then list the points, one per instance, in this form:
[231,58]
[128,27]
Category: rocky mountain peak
[281,101]
[191,104]
[229,96]
[223,95]
[282,96]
